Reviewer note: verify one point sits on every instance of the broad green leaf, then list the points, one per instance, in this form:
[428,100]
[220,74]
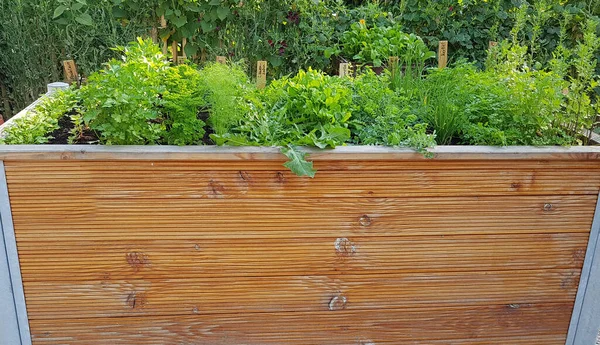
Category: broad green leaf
[179,21]
[222,12]
[297,162]
[84,19]
[59,11]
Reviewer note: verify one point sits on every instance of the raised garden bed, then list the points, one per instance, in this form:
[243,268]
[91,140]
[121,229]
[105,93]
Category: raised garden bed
[222,245]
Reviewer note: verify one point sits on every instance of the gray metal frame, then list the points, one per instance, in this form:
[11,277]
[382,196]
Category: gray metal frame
[585,321]
[14,325]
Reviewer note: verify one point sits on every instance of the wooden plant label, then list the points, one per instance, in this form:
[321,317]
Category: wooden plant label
[393,65]
[181,60]
[344,69]
[70,69]
[221,59]
[492,45]
[163,22]
[174,46]
[183,44]
[443,54]
[261,74]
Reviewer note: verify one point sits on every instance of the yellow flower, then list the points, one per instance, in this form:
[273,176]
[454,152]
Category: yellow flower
[362,22]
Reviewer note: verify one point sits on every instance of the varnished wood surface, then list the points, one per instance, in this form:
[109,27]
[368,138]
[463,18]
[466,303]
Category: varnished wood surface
[531,324]
[239,251]
[402,179]
[82,260]
[108,297]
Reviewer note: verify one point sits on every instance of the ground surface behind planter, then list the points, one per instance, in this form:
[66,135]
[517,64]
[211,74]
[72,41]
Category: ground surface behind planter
[244,252]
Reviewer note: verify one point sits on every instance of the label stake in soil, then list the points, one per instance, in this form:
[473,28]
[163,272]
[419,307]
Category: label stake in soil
[221,59]
[443,54]
[261,74]
[344,69]
[70,69]
[393,65]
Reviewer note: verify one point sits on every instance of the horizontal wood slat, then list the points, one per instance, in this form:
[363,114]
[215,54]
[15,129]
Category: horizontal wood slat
[185,258]
[531,324]
[147,219]
[143,180]
[212,295]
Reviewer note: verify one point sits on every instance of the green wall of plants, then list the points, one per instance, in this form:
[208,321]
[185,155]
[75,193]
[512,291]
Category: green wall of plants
[36,35]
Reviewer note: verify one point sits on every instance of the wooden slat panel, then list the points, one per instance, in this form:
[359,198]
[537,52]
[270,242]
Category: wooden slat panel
[147,219]
[139,180]
[211,295]
[159,259]
[515,325]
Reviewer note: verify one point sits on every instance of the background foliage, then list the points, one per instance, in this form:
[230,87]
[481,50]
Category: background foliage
[36,35]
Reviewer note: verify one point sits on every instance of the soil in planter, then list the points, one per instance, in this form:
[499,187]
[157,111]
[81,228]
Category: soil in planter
[61,135]
[206,140]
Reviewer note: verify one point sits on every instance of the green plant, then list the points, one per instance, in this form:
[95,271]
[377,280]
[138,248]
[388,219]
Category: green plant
[35,128]
[373,44]
[225,85]
[121,101]
[309,109]
[183,98]
[440,97]
[384,117]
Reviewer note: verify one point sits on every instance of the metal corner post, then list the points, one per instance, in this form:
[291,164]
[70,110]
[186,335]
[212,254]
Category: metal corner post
[14,325]
[585,321]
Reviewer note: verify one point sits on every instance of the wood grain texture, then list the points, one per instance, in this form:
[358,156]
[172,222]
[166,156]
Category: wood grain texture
[147,180]
[148,219]
[529,324]
[212,295]
[82,260]
[230,248]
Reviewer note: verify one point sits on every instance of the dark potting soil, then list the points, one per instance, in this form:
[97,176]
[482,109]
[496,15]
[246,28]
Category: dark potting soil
[61,135]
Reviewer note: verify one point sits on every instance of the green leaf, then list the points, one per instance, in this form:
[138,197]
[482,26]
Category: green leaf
[215,2]
[297,162]
[222,12]
[84,19]
[76,7]
[179,21]
[59,11]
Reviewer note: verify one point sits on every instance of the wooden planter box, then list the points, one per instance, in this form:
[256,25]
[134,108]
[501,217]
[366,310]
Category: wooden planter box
[223,245]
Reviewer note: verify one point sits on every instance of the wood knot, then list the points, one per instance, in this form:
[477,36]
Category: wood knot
[548,207]
[136,300]
[137,260]
[344,247]
[570,281]
[215,189]
[579,254]
[244,175]
[365,220]
[280,177]
[515,185]
[338,303]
